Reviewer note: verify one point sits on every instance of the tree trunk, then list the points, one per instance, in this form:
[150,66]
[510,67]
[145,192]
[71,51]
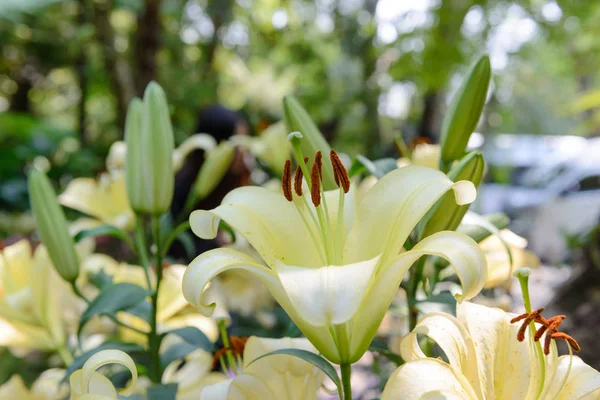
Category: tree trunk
[429,126]
[147,44]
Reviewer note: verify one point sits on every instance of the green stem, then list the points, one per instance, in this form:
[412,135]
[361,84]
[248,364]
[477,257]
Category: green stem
[153,337]
[416,273]
[140,242]
[64,354]
[227,345]
[346,373]
[184,226]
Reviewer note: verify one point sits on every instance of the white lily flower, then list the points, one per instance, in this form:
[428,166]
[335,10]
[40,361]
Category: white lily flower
[192,374]
[334,264]
[48,386]
[486,361]
[277,377]
[87,384]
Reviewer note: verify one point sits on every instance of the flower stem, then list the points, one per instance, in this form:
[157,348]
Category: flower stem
[64,354]
[140,242]
[225,338]
[416,273]
[346,373]
[153,337]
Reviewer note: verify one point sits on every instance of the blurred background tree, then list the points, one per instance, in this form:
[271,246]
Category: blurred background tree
[365,69]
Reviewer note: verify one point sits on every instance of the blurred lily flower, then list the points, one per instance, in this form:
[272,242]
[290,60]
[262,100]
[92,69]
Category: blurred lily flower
[104,199]
[48,386]
[424,154]
[486,361]
[334,264]
[88,384]
[30,301]
[173,310]
[499,264]
[276,377]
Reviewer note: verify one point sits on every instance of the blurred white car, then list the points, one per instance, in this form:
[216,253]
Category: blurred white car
[558,201]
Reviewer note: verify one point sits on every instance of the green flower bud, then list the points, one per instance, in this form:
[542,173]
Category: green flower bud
[446,215]
[213,169]
[464,112]
[297,119]
[149,164]
[52,226]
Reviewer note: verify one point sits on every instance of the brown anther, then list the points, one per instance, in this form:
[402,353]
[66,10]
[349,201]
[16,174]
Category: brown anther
[305,160]
[339,172]
[237,346]
[286,180]
[549,327]
[567,338]
[528,317]
[298,181]
[319,162]
[315,185]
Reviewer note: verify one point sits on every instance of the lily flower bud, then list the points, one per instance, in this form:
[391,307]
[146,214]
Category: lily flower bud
[213,170]
[464,112]
[149,167]
[297,120]
[52,226]
[448,215]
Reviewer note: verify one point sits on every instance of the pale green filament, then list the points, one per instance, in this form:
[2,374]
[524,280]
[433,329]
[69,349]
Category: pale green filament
[339,229]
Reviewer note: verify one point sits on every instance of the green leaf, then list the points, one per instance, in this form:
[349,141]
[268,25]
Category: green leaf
[380,347]
[312,358]
[378,168]
[193,336]
[133,349]
[114,298]
[176,352]
[100,279]
[162,392]
[105,230]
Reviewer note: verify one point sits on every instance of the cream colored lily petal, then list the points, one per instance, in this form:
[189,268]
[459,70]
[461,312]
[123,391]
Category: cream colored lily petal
[101,359]
[15,266]
[242,387]
[202,141]
[211,263]
[100,387]
[286,376]
[422,378]
[505,366]
[267,220]
[170,296]
[14,389]
[24,336]
[460,251]
[581,381]
[447,332]
[329,294]
[392,208]
[192,375]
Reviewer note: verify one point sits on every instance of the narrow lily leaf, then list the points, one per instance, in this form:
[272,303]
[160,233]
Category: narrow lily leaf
[114,298]
[297,120]
[378,168]
[477,232]
[446,214]
[105,230]
[380,347]
[464,112]
[133,349]
[312,358]
[162,392]
[175,352]
[193,336]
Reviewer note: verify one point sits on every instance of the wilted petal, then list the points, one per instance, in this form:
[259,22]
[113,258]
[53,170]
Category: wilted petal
[267,220]
[329,294]
[460,251]
[210,264]
[426,378]
[392,208]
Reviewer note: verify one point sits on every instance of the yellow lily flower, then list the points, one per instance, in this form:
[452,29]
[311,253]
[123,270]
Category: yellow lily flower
[29,299]
[498,261]
[192,374]
[277,377]
[333,263]
[48,386]
[424,154]
[87,384]
[104,199]
[485,361]
[172,310]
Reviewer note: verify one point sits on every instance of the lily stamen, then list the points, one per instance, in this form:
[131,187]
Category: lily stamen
[286,180]
[339,171]
[298,175]
[549,327]
[315,187]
